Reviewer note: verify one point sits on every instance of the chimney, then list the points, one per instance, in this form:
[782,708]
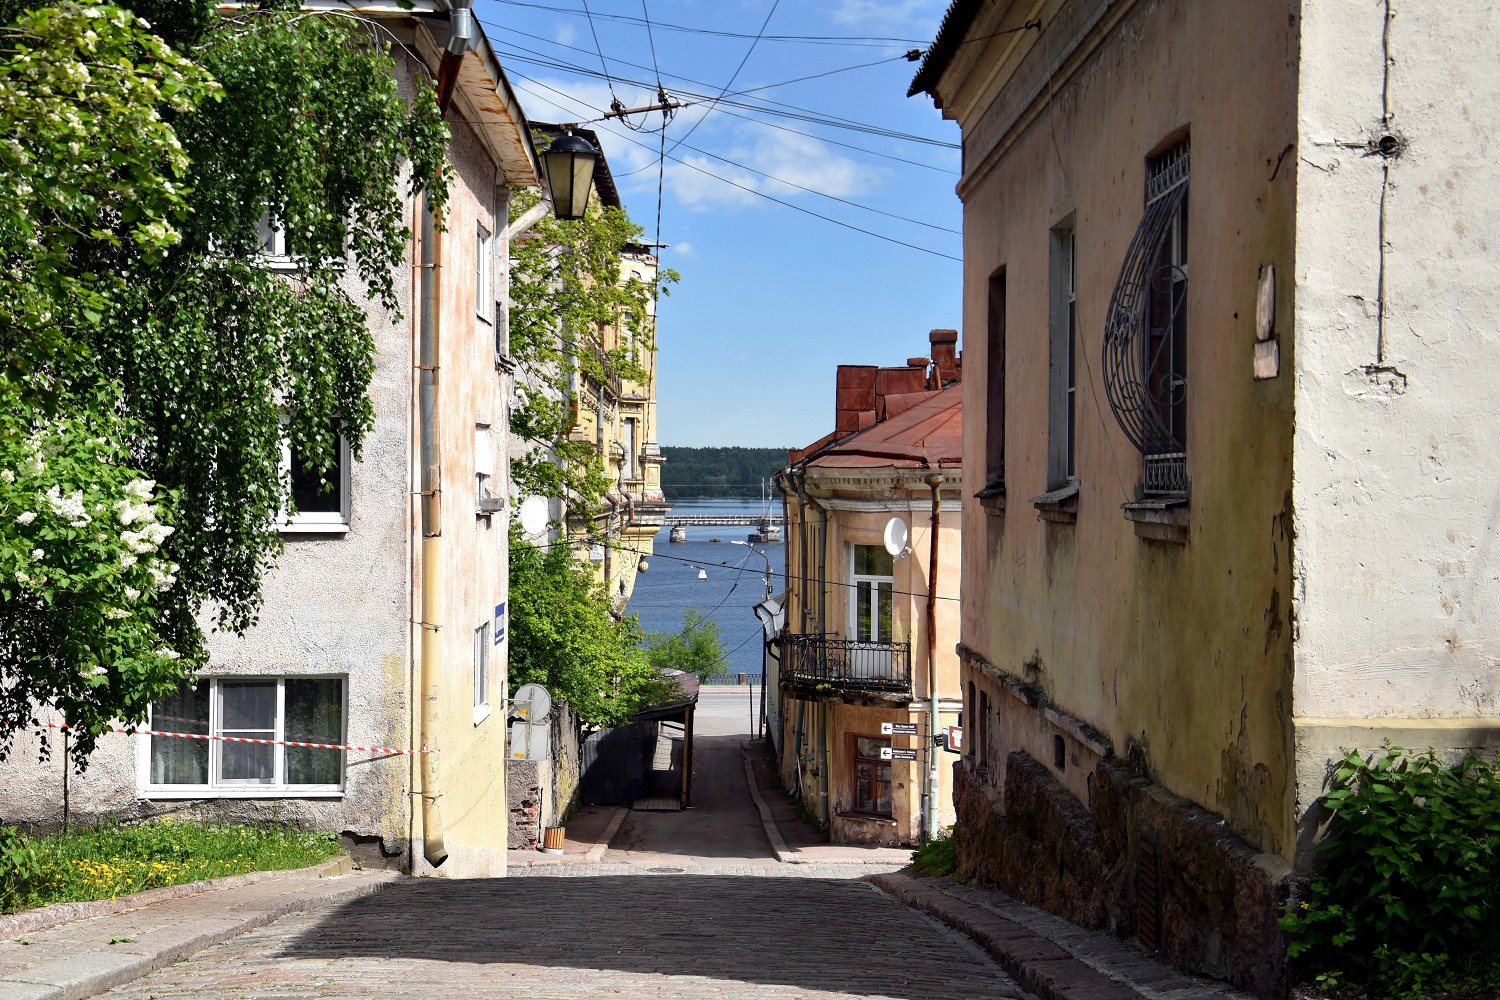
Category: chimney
[944,355]
[855,396]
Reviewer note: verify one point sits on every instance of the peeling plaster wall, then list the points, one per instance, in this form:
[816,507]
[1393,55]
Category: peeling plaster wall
[1397,603]
[1178,652]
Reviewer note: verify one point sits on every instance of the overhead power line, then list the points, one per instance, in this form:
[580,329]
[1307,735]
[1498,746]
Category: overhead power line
[852,40]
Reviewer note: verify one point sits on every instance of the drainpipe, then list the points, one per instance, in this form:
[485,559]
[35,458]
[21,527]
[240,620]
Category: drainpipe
[934,481]
[432,541]
[460,38]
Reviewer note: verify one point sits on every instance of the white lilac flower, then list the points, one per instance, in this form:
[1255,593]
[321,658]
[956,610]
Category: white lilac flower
[37,555]
[98,671]
[170,654]
[156,532]
[70,507]
[127,560]
[22,578]
[140,488]
[115,614]
[6,476]
[132,594]
[26,518]
[130,513]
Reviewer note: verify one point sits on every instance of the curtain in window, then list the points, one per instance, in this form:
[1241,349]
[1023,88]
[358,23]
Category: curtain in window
[314,714]
[174,760]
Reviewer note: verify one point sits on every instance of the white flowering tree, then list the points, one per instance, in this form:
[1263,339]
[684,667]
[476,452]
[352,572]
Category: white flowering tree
[151,365]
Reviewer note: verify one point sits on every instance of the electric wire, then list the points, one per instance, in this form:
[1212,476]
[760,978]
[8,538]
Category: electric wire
[851,40]
[600,49]
[750,190]
[732,76]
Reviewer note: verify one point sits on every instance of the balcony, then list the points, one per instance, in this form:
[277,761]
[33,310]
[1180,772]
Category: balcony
[845,665]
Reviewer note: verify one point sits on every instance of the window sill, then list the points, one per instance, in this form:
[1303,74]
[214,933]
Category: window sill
[255,792]
[481,712]
[313,528]
[1059,505]
[868,817]
[1160,519]
[992,498]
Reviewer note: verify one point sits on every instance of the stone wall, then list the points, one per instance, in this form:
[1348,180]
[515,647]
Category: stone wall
[1216,899]
[541,793]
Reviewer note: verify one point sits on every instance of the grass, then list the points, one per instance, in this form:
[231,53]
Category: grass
[112,859]
[936,857]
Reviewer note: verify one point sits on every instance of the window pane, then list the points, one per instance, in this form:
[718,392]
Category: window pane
[883,591]
[862,598]
[174,760]
[314,492]
[314,714]
[873,560]
[869,747]
[247,709]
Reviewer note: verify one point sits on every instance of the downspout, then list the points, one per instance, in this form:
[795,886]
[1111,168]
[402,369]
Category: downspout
[432,541]
[934,481]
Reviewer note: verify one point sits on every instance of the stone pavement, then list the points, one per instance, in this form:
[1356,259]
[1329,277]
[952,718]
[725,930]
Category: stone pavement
[771,914]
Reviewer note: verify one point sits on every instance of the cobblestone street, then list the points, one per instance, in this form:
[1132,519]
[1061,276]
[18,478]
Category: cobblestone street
[757,931]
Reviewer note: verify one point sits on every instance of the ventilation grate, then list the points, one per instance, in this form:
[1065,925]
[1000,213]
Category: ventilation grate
[1147,896]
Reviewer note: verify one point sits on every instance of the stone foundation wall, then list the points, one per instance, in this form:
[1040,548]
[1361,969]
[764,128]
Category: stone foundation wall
[1216,899]
[541,793]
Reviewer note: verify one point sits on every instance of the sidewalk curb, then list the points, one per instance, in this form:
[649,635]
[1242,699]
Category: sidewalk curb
[41,917]
[1042,966]
[595,854]
[767,822]
[76,979]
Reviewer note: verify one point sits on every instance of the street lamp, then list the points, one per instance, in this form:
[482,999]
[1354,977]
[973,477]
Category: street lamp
[570,174]
[752,548]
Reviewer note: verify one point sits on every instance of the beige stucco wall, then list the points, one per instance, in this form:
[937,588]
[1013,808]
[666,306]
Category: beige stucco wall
[1181,650]
[1398,588]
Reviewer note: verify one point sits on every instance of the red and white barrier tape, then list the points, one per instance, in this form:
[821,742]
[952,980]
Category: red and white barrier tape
[247,739]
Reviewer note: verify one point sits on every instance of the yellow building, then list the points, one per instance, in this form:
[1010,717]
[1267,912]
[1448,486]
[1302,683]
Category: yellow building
[1229,305]
[867,672]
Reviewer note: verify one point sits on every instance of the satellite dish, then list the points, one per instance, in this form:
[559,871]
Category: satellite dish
[896,536]
[533,703]
[534,515]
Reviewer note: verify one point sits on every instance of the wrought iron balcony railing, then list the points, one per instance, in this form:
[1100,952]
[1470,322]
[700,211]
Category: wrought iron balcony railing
[846,665]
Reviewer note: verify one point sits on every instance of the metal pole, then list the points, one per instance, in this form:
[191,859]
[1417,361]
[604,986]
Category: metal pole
[935,482]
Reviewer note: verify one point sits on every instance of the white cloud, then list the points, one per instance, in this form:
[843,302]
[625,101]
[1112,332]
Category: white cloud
[566,34]
[779,163]
[684,249]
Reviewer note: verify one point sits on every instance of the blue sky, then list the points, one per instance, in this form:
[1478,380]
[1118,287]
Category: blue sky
[772,298]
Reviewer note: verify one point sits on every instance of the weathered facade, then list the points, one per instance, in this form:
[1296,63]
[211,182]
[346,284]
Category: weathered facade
[383,625]
[1229,302]
[868,640]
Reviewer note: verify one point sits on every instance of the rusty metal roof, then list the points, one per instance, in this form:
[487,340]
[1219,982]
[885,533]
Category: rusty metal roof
[950,36]
[925,433]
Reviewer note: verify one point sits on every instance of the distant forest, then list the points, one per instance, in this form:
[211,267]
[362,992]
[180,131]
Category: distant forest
[707,473]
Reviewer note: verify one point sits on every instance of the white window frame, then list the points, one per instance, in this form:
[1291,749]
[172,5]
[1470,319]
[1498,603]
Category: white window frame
[216,788]
[318,522]
[484,273]
[481,669]
[870,582]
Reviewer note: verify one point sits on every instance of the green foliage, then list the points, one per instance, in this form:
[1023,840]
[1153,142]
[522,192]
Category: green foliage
[112,859]
[1407,899]
[936,857]
[20,869]
[697,648]
[144,338]
[563,636]
[692,473]
[568,289]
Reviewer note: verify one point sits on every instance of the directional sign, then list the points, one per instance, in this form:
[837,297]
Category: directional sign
[898,729]
[897,753]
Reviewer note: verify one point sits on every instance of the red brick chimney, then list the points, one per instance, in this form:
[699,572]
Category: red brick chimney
[944,355]
[855,402]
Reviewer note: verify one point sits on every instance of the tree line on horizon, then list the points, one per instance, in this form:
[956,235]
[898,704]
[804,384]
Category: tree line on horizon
[718,472]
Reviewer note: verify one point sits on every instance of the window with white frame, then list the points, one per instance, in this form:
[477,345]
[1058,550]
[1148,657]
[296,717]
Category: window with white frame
[484,269]
[275,710]
[481,661]
[320,498]
[630,466]
[872,579]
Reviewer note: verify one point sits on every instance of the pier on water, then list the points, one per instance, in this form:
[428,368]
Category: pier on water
[767,526]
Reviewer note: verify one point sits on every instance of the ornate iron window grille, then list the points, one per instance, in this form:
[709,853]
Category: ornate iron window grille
[1144,374]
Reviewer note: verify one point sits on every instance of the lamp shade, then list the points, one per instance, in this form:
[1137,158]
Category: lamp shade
[570,174]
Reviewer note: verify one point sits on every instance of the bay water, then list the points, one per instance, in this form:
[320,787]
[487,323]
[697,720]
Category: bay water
[735,581]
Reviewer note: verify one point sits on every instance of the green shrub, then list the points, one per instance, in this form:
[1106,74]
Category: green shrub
[19,867]
[936,857]
[1407,897]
